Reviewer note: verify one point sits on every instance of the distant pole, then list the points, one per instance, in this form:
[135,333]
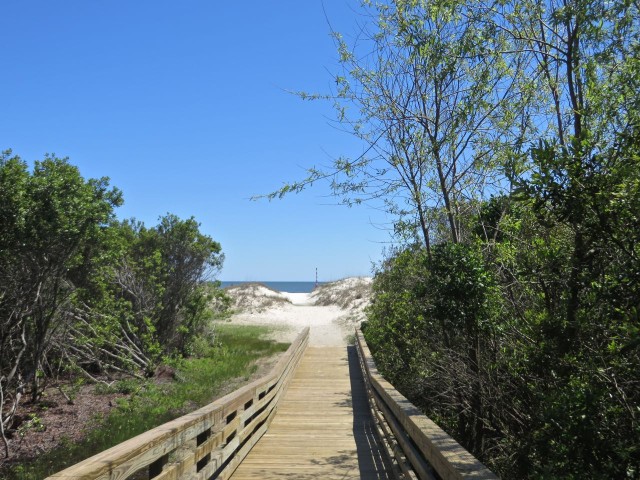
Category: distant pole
[316,277]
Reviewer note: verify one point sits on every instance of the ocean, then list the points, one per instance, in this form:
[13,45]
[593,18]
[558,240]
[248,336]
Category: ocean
[291,287]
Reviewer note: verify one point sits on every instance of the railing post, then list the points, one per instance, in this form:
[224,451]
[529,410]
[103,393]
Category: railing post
[419,445]
[209,441]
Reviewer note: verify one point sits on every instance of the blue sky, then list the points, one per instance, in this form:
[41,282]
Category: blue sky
[185,106]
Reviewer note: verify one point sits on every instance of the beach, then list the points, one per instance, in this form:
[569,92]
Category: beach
[331,311]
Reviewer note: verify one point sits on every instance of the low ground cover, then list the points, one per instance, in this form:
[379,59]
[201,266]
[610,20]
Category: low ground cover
[139,405]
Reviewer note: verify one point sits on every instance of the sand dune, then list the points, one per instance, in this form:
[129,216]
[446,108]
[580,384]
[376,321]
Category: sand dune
[331,311]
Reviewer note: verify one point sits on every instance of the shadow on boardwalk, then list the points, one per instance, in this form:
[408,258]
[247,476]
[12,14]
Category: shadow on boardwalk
[323,428]
[369,456]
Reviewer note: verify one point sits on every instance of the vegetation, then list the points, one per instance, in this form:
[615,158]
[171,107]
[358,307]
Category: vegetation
[82,292]
[197,382]
[502,137]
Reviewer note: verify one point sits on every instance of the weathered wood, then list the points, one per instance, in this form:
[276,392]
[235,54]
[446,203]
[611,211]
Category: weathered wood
[224,419]
[322,428]
[436,448]
[404,451]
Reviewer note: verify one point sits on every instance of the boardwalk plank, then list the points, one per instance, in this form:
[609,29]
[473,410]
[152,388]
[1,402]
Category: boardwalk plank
[323,426]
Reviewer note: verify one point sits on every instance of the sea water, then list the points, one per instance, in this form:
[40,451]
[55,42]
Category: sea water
[290,287]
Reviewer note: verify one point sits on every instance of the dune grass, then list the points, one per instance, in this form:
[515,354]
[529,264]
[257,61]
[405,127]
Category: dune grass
[197,382]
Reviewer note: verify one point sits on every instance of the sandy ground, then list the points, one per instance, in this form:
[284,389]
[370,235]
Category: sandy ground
[331,312]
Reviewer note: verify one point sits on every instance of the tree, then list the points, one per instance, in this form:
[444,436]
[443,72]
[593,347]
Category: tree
[51,218]
[580,55]
[557,376]
[188,259]
[163,275]
[435,107]
[430,324]
[151,298]
[82,292]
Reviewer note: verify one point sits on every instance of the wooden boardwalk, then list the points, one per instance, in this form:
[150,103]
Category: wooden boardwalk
[308,418]
[323,427]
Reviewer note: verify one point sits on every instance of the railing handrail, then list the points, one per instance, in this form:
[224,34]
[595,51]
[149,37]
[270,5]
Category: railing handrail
[416,446]
[212,440]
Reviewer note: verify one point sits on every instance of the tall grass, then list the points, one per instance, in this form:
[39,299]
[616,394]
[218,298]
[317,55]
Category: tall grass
[197,382]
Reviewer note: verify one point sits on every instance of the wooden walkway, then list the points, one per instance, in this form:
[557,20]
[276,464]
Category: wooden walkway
[309,418]
[323,428]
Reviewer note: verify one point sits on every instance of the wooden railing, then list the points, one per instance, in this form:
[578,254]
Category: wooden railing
[207,443]
[414,445]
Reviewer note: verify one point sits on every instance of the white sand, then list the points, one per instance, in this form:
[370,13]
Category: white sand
[289,320]
[330,324]
[298,298]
